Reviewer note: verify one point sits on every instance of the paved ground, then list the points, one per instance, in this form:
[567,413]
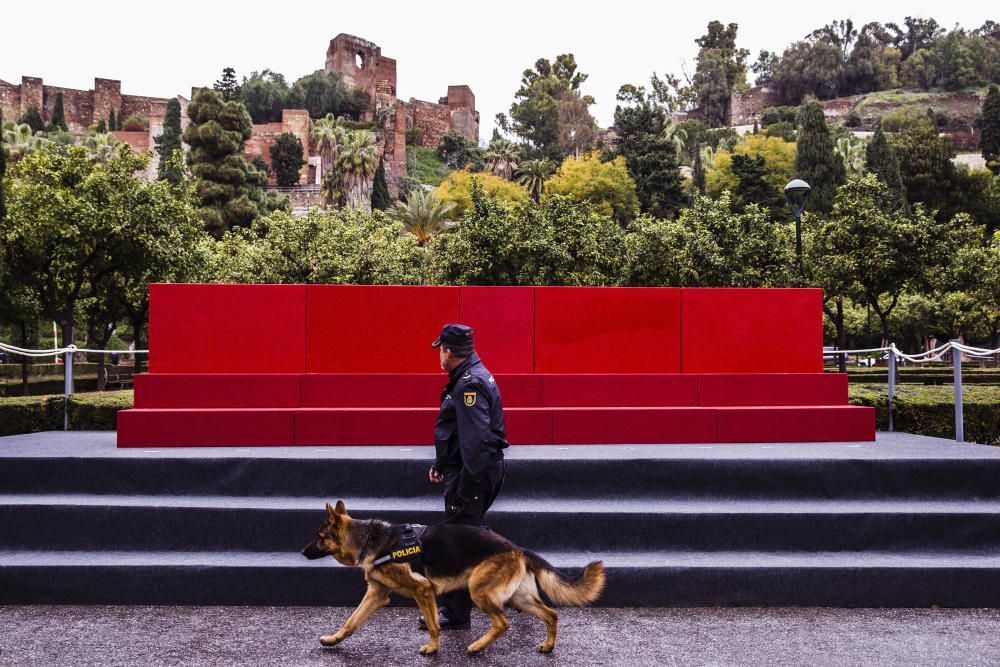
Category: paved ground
[102,444]
[194,636]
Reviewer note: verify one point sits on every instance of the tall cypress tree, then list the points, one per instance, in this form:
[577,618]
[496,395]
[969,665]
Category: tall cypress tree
[989,140]
[3,170]
[380,190]
[881,160]
[58,115]
[170,141]
[33,119]
[816,161]
[112,126]
[121,120]
[698,172]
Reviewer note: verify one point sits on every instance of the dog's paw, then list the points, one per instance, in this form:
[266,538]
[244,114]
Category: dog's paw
[545,647]
[474,649]
[330,640]
[427,649]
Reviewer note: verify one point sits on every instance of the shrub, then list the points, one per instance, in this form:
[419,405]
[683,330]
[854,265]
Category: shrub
[853,119]
[135,123]
[928,410]
[782,130]
[773,115]
[87,412]
[412,136]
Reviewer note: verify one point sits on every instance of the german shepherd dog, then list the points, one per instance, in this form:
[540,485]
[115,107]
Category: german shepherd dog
[497,573]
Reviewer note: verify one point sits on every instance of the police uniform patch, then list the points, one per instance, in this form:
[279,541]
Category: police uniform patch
[470,398]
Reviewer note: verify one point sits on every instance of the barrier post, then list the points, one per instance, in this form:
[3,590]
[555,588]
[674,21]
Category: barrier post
[956,362]
[892,382]
[68,388]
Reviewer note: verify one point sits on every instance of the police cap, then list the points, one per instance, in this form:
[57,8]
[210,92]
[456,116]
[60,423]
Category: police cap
[457,335]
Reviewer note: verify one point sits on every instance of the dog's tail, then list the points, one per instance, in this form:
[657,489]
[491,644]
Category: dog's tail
[563,590]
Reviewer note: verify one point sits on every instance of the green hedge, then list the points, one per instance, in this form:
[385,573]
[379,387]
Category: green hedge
[930,410]
[13,369]
[87,412]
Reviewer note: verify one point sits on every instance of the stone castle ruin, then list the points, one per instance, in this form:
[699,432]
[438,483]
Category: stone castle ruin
[359,62]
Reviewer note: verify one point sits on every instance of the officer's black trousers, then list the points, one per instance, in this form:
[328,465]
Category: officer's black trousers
[458,603]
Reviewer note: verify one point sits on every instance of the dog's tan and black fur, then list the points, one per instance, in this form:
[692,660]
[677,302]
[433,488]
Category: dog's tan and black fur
[497,573]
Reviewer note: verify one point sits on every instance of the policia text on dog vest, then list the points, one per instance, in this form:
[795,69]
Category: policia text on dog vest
[407,549]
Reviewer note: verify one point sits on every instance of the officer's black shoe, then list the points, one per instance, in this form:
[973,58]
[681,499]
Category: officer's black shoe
[446,621]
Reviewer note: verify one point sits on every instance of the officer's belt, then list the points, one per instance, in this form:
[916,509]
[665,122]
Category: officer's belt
[407,549]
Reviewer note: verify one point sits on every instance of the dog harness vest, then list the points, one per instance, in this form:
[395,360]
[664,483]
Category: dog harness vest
[407,549]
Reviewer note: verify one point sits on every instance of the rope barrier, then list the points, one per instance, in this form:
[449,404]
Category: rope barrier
[59,351]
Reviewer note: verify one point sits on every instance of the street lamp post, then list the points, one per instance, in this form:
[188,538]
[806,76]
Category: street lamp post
[796,192]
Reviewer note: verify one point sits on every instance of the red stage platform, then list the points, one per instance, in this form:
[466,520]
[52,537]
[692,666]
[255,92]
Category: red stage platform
[352,365]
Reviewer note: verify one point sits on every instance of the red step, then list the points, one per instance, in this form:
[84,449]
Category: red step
[414,426]
[828,423]
[214,427]
[411,390]
[586,426]
[217,390]
[750,389]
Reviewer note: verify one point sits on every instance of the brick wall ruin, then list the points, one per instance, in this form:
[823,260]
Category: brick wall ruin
[362,65]
[293,121]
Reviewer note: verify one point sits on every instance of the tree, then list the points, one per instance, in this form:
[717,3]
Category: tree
[33,119]
[322,247]
[169,142]
[324,93]
[381,200]
[648,143]
[357,161]
[925,164]
[423,215]
[501,158]
[881,160]
[808,68]
[459,185]
[102,147]
[698,174]
[534,115]
[227,187]
[815,160]
[606,186]
[286,158]
[989,141]
[58,114]
[227,86]
[779,162]
[879,253]
[101,127]
[458,152]
[73,222]
[112,125]
[3,172]
[265,94]
[720,71]
[532,174]
[752,188]
[577,127]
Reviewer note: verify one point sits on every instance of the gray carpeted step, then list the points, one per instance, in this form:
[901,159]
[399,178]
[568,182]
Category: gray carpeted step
[227,523]
[661,578]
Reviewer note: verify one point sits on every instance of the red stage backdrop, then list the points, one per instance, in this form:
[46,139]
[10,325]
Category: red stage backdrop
[349,364]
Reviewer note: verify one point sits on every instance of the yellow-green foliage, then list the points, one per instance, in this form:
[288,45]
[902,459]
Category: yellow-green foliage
[606,185]
[458,188]
[779,158]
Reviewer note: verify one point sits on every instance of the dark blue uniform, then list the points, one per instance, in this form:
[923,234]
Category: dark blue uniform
[469,438]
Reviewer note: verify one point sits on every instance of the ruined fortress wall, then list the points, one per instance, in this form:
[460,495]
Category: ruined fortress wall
[294,121]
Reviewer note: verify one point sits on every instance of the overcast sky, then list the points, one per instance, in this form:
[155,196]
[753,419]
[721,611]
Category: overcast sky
[164,47]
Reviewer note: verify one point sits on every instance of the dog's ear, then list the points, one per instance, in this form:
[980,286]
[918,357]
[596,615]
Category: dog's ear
[330,513]
[341,508]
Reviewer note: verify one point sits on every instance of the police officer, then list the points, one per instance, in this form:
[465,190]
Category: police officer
[469,438]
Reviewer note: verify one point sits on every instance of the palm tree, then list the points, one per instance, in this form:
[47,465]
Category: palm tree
[357,160]
[676,135]
[532,174]
[327,134]
[102,146]
[20,140]
[424,215]
[501,158]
